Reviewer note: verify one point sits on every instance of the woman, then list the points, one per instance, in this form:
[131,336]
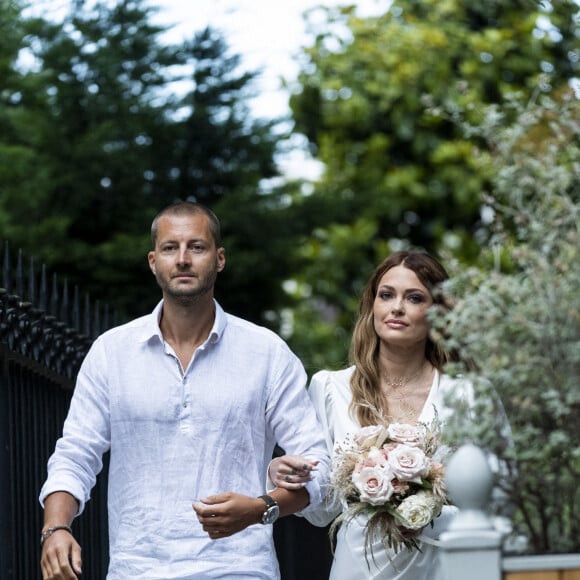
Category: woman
[396,377]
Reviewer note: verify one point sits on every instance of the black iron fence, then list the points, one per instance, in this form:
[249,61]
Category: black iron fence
[44,336]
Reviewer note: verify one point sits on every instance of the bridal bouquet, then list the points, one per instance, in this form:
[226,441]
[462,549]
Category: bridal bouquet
[390,473]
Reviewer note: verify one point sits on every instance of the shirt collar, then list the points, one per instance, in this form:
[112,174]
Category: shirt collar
[152,329]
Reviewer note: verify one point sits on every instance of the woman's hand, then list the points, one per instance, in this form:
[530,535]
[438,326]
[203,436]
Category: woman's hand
[291,471]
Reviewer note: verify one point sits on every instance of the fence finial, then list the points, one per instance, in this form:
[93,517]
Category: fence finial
[76,314]
[40,331]
[6,269]
[19,276]
[64,308]
[43,289]
[87,317]
[31,282]
[53,308]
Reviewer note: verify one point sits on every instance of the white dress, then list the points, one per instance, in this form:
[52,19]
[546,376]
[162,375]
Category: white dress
[330,392]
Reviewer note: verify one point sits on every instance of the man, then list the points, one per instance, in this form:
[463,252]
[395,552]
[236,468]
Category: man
[190,401]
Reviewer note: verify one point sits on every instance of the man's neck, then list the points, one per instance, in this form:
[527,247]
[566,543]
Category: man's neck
[187,324]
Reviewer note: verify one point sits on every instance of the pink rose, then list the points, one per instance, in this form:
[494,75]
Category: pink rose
[373,484]
[373,458]
[388,447]
[408,463]
[411,435]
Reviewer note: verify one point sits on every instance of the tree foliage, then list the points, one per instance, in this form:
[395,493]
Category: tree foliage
[379,99]
[100,135]
[516,318]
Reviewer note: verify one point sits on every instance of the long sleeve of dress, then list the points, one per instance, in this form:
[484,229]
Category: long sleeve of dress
[321,395]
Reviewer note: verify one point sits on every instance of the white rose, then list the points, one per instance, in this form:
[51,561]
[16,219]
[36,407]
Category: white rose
[408,463]
[370,436]
[373,484]
[411,435]
[419,509]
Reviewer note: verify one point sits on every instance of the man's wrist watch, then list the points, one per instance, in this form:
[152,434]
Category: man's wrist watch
[272,512]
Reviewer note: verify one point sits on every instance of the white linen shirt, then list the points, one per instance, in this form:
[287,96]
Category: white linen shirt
[177,436]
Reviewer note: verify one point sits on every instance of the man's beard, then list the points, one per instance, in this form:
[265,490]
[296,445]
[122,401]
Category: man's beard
[187,294]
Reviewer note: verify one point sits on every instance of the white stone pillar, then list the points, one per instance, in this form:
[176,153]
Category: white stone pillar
[471,547]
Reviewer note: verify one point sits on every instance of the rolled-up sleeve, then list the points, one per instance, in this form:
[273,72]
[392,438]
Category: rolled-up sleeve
[77,459]
[321,396]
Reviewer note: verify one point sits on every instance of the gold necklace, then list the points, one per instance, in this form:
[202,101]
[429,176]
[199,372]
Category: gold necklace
[398,393]
[399,382]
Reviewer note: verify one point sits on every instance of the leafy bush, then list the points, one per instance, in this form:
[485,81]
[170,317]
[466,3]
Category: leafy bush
[516,319]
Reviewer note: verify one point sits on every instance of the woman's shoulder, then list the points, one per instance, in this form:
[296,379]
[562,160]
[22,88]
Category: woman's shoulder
[329,378]
[330,393]
[330,388]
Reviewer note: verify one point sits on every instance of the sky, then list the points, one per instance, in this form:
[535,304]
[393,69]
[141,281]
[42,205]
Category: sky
[268,34]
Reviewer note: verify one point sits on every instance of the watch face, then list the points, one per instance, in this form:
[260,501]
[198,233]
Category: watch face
[271,514]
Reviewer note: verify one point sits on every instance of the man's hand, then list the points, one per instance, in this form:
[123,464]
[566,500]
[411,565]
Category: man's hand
[61,557]
[228,513]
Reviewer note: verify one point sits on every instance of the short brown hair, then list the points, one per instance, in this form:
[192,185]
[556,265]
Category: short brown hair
[188,208]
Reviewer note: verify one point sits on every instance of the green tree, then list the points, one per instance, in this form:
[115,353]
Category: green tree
[16,130]
[88,113]
[104,142]
[217,127]
[380,100]
[10,42]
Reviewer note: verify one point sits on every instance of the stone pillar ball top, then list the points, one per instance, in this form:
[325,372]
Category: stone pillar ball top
[469,478]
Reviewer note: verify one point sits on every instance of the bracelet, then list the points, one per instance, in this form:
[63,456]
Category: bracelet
[49,531]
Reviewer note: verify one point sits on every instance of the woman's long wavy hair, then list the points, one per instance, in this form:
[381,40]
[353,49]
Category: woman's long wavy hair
[364,349]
